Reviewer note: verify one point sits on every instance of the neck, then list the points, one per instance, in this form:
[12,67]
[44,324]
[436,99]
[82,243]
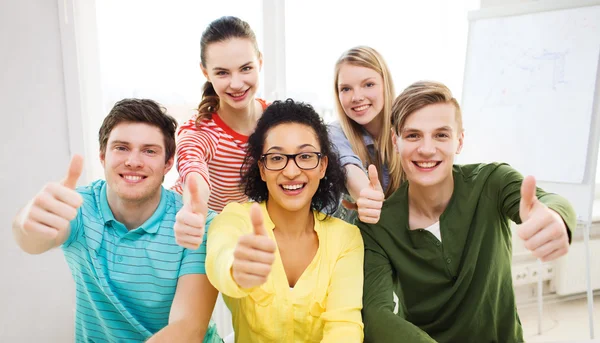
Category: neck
[292,224]
[132,213]
[431,201]
[243,120]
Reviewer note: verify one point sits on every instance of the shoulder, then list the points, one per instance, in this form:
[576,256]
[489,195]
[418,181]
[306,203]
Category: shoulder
[340,234]
[91,193]
[206,126]
[486,173]
[174,200]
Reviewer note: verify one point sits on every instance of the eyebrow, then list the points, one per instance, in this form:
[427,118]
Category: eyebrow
[116,142]
[443,128]
[365,80]
[278,148]
[225,69]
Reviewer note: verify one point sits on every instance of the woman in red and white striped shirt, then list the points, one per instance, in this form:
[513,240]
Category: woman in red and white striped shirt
[211,146]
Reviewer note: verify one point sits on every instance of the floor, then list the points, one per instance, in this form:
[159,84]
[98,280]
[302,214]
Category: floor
[561,322]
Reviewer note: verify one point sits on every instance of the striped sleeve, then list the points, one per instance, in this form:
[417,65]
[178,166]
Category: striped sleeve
[196,146]
[193,260]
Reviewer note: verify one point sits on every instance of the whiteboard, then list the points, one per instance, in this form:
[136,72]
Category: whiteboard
[528,92]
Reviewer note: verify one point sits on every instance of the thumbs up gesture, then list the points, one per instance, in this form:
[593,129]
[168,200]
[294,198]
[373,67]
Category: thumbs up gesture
[370,199]
[191,218]
[49,213]
[542,229]
[254,254]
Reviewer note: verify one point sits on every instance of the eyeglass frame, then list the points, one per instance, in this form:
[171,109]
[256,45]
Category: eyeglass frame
[293,157]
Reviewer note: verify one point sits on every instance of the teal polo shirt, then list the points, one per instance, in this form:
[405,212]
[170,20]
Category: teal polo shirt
[125,281]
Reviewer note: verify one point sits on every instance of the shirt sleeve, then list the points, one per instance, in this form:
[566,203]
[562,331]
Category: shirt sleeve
[223,236]
[193,260]
[508,182]
[381,323]
[342,318]
[196,146]
[339,140]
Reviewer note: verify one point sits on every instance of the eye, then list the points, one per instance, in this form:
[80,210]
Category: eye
[247,68]
[275,158]
[221,73]
[306,156]
[370,84]
[120,148]
[344,89]
[151,151]
[443,135]
[411,136]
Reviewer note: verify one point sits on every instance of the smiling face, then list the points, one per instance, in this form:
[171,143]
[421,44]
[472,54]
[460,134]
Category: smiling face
[427,144]
[134,162]
[360,92]
[292,188]
[233,66]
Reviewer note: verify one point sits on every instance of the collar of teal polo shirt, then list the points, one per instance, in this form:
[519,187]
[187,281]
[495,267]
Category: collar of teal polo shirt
[150,226]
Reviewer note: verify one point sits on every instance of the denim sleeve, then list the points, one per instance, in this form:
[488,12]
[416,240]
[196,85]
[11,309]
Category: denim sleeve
[339,140]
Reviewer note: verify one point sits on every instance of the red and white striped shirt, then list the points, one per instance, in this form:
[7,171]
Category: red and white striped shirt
[216,152]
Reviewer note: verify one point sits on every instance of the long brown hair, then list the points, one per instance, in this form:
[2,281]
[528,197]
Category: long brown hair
[220,30]
[367,57]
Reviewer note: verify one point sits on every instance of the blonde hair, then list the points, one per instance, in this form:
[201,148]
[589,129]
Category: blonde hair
[367,57]
[417,96]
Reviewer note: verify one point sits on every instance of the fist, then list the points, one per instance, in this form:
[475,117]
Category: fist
[542,229]
[191,218]
[50,212]
[254,254]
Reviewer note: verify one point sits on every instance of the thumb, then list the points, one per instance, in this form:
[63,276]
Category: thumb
[349,205]
[374,178]
[528,197]
[197,203]
[74,172]
[256,217]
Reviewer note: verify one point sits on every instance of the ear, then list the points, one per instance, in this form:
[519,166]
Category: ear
[204,72]
[102,155]
[461,139]
[323,166]
[394,138]
[260,61]
[169,165]
[261,169]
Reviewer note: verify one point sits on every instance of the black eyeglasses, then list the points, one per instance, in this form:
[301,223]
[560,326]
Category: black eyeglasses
[304,160]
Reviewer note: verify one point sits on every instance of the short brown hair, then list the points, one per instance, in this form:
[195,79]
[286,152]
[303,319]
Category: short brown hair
[140,111]
[419,95]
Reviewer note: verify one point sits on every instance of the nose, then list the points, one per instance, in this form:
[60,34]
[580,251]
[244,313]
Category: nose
[237,82]
[427,147]
[357,96]
[134,161]
[291,170]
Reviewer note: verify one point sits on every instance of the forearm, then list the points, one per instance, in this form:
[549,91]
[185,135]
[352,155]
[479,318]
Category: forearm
[184,330]
[382,325]
[356,180]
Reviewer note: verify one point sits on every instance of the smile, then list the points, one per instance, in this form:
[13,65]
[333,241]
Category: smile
[428,164]
[293,188]
[132,178]
[238,95]
[360,108]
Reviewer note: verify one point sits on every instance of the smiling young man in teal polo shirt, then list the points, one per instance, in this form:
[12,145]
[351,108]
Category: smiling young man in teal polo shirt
[443,241]
[133,281]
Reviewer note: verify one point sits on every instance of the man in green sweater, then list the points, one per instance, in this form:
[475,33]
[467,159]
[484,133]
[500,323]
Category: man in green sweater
[443,241]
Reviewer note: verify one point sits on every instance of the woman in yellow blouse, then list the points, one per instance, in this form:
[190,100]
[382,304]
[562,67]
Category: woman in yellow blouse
[288,271]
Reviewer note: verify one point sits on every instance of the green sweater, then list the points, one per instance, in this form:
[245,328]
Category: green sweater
[457,290]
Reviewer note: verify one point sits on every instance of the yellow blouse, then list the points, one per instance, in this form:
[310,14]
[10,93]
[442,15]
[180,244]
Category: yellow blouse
[323,306]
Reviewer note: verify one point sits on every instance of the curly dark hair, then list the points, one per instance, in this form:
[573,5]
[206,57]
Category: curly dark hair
[326,198]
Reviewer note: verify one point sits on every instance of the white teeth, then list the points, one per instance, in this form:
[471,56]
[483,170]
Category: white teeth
[235,95]
[292,187]
[361,108]
[426,164]
[132,177]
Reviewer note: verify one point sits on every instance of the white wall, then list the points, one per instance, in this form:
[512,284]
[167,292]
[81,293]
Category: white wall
[36,292]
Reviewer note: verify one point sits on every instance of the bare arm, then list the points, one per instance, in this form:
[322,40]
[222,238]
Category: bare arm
[190,312]
[356,180]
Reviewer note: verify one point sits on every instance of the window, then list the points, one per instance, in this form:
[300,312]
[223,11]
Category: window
[418,39]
